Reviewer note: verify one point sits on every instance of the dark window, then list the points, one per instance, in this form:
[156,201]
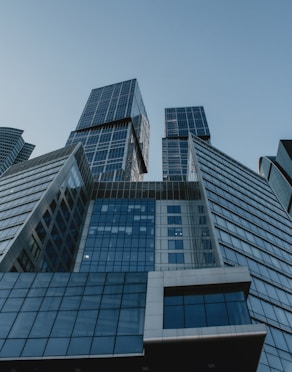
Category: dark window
[173,209]
[205,310]
[175,258]
[175,244]
[174,220]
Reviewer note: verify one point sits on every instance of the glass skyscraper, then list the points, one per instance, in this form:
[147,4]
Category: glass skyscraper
[278,171]
[13,149]
[114,130]
[178,123]
[189,274]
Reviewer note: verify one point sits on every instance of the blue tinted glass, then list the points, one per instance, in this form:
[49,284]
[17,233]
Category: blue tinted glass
[64,324]
[129,344]
[195,316]
[173,209]
[216,314]
[107,322]
[85,323]
[57,346]
[173,317]
[214,297]
[22,325]
[234,296]
[193,299]
[103,345]
[31,304]
[12,348]
[131,321]
[133,300]
[34,347]
[43,324]
[79,346]
[238,313]
[173,300]
[6,321]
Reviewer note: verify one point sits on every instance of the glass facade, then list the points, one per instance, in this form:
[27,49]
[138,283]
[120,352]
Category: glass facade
[13,149]
[120,236]
[42,206]
[253,230]
[103,275]
[196,310]
[278,171]
[114,130]
[68,315]
[178,123]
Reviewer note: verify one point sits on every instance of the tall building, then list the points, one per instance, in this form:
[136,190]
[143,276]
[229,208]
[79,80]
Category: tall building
[278,171]
[178,123]
[189,275]
[13,149]
[114,130]
[42,205]
[252,230]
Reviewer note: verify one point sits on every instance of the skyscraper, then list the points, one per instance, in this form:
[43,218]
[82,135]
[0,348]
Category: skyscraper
[143,276]
[278,171]
[42,206]
[13,149]
[114,130]
[252,230]
[178,123]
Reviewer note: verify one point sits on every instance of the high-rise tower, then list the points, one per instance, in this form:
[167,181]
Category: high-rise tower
[143,276]
[278,171]
[13,149]
[178,123]
[114,130]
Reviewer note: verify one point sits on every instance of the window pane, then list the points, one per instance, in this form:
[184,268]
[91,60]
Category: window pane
[216,314]
[173,317]
[195,316]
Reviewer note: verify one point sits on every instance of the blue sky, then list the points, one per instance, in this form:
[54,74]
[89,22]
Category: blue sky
[234,57]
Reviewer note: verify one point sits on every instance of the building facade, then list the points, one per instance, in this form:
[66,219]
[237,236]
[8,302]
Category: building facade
[252,230]
[114,130]
[43,202]
[102,273]
[278,171]
[13,149]
[178,123]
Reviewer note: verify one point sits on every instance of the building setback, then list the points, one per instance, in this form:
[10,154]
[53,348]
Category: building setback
[101,271]
[114,130]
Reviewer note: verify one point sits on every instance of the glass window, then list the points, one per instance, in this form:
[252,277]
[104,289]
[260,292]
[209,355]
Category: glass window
[57,346]
[129,344]
[173,209]
[205,310]
[173,317]
[107,322]
[34,347]
[64,324]
[176,231]
[175,258]
[175,244]
[79,346]
[103,345]
[174,220]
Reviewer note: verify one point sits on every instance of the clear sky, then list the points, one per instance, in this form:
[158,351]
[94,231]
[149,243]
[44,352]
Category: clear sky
[234,57]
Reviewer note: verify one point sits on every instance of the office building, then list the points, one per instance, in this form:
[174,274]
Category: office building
[178,123]
[278,171]
[252,230]
[114,130]
[189,275]
[13,149]
[42,205]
